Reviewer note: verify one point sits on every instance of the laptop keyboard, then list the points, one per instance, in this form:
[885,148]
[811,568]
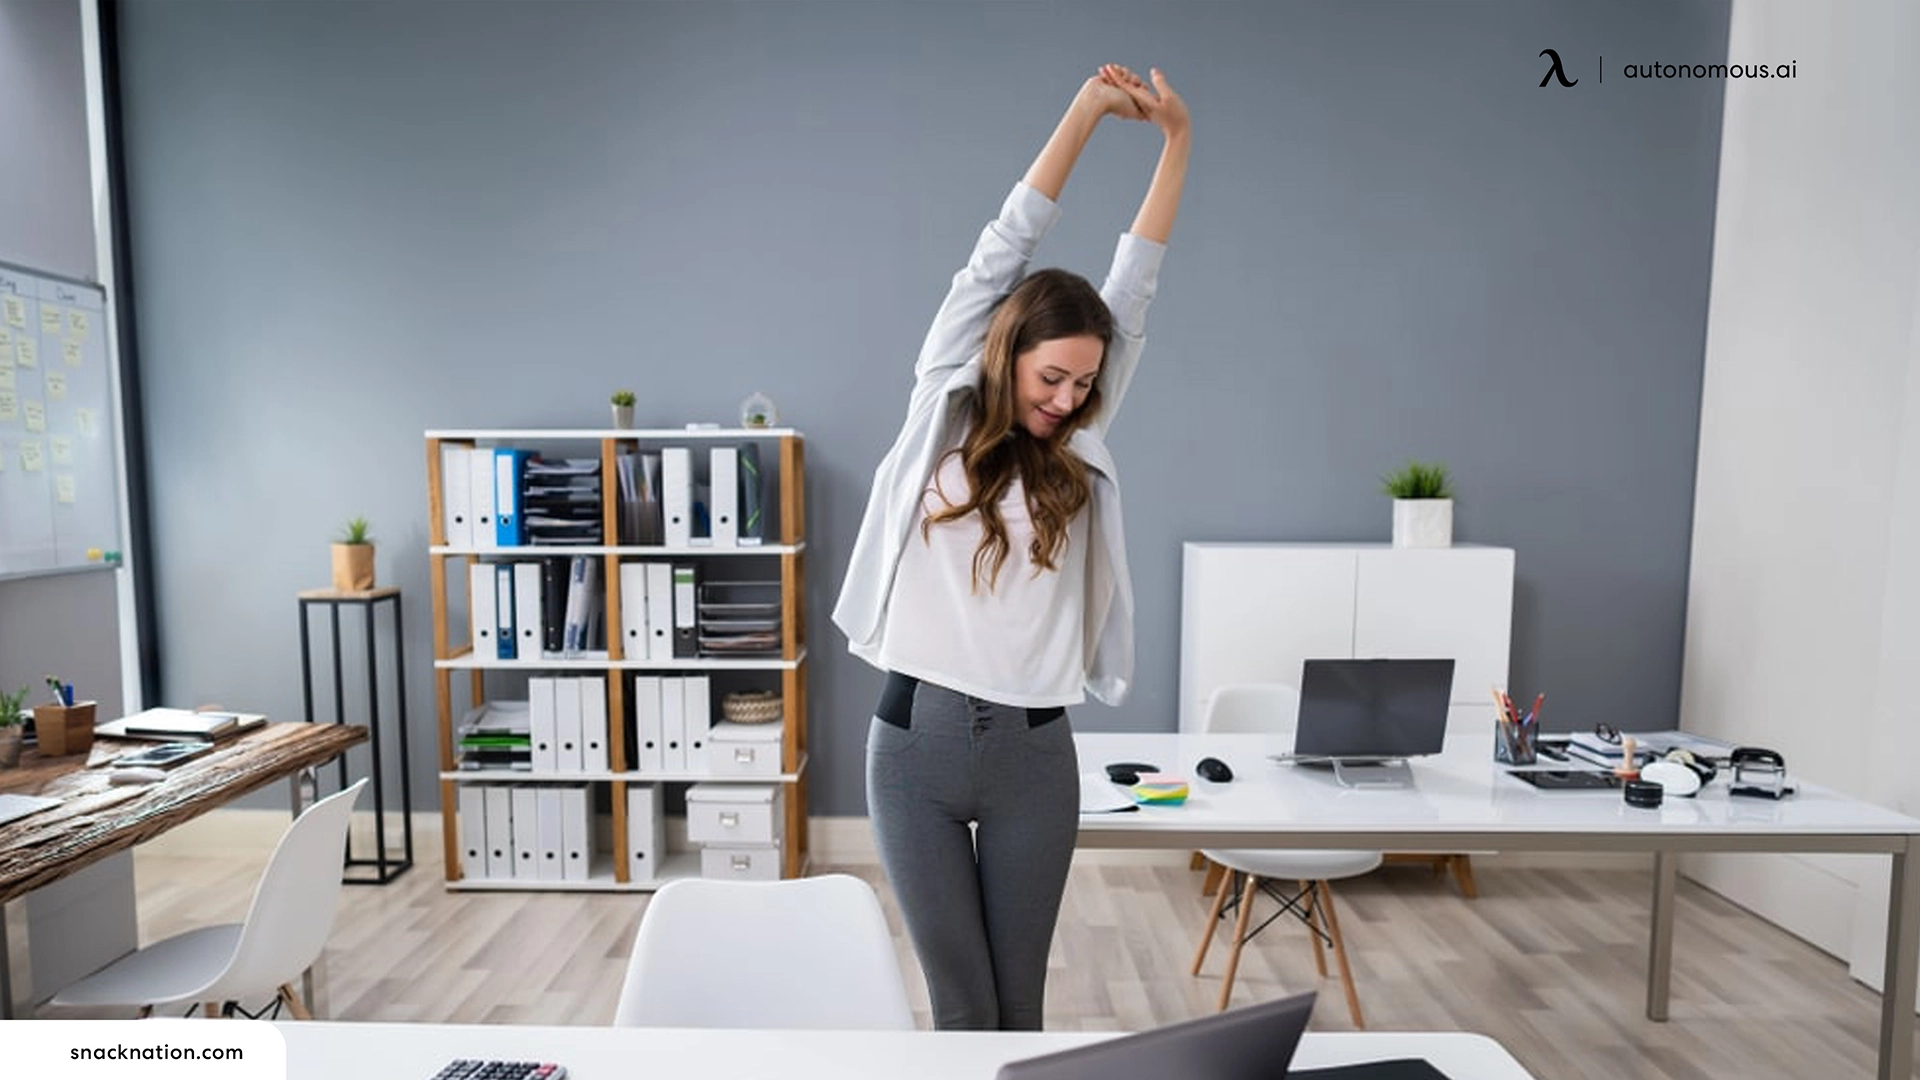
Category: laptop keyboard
[475,1069]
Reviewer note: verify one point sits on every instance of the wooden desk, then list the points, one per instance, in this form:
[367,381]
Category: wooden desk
[96,820]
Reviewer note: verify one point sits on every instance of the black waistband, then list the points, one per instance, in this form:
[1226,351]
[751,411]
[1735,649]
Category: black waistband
[896,704]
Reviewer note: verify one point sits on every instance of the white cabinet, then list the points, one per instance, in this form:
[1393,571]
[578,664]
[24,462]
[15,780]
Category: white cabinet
[1253,612]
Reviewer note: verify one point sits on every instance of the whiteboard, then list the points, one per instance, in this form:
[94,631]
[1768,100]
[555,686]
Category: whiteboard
[59,498]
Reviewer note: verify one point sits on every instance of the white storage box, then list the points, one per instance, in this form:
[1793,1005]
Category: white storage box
[744,749]
[740,863]
[736,814]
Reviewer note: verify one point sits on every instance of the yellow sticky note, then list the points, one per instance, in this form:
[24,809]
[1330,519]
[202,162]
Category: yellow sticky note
[84,423]
[73,353]
[50,320]
[9,404]
[62,449]
[34,411]
[26,352]
[77,325]
[15,311]
[32,455]
[56,386]
[63,488]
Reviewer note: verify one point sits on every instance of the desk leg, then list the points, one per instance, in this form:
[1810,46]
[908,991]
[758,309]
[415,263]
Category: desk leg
[1660,948]
[6,968]
[1903,938]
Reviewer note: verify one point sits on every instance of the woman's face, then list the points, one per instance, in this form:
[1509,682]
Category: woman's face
[1052,379]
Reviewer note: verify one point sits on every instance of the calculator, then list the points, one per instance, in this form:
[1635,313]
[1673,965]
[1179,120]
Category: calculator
[476,1069]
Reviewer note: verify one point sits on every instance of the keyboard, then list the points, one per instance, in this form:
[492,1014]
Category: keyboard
[474,1069]
[19,806]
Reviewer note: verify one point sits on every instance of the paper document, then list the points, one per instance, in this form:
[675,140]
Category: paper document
[1099,795]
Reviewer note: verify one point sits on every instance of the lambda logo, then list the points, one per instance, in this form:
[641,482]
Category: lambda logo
[1556,71]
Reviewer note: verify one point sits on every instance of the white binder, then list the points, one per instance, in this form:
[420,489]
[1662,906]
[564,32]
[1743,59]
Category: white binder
[723,495]
[499,804]
[566,725]
[528,626]
[699,713]
[480,609]
[673,725]
[646,832]
[480,497]
[473,831]
[552,859]
[593,724]
[576,834]
[456,496]
[526,832]
[676,494]
[649,755]
[633,610]
[542,725]
[659,611]
[686,617]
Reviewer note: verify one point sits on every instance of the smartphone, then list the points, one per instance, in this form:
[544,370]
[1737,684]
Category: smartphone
[163,755]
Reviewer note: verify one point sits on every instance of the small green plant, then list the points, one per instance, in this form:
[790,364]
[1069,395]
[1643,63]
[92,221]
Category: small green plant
[1416,480]
[623,398]
[13,708]
[355,532]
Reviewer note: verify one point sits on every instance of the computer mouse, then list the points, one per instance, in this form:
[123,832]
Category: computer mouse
[135,774]
[1212,768]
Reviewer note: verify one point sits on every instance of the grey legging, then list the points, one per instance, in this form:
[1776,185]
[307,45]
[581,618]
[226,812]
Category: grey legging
[981,903]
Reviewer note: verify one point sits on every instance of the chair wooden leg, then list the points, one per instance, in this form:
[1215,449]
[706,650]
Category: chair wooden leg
[1463,875]
[1197,861]
[1213,921]
[1340,955]
[295,1007]
[210,1009]
[145,1011]
[1214,873]
[1311,894]
[1239,938]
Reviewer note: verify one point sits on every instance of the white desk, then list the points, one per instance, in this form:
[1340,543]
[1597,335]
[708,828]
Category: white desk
[1461,800]
[328,1051]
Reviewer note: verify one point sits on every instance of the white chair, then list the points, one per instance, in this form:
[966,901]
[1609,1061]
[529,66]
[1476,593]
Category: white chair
[803,953]
[286,929]
[1267,708]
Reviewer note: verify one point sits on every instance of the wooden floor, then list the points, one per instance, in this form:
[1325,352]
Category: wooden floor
[1549,962]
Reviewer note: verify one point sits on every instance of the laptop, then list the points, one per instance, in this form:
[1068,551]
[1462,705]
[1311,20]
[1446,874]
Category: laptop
[1371,711]
[1251,1043]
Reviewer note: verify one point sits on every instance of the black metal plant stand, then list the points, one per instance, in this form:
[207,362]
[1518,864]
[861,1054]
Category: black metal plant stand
[387,865]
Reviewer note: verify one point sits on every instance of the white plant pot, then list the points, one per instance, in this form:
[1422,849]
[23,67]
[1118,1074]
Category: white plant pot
[623,417]
[1422,523]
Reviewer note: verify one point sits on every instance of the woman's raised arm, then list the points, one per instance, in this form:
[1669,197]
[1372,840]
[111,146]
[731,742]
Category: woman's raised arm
[1098,97]
[1168,112]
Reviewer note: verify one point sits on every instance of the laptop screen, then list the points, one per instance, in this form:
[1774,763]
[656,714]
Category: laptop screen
[1373,708]
[1255,1042]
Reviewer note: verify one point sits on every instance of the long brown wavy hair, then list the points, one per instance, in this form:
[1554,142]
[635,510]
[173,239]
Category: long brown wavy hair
[1045,306]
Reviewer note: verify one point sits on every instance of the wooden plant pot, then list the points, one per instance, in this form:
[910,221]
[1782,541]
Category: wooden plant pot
[64,729]
[352,567]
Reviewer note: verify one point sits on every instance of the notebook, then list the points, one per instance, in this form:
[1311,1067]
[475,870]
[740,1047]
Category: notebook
[1251,1043]
[13,807]
[172,724]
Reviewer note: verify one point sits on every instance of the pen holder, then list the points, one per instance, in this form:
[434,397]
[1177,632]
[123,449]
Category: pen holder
[1513,743]
[64,729]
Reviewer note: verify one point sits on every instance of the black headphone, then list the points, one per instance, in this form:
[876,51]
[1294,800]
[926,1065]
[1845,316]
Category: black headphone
[1128,772]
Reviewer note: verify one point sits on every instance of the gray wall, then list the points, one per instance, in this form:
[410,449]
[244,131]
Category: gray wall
[67,623]
[353,222]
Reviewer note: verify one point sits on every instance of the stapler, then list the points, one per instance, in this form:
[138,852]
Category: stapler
[1759,772]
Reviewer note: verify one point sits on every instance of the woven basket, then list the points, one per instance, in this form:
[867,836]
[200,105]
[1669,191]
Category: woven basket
[751,707]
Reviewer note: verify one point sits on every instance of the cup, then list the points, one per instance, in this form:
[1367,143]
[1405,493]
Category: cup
[1513,743]
[64,729]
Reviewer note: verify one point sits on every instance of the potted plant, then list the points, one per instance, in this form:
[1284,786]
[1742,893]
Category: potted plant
[623,409]
[1422,505]
[353,558]
[13,717]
